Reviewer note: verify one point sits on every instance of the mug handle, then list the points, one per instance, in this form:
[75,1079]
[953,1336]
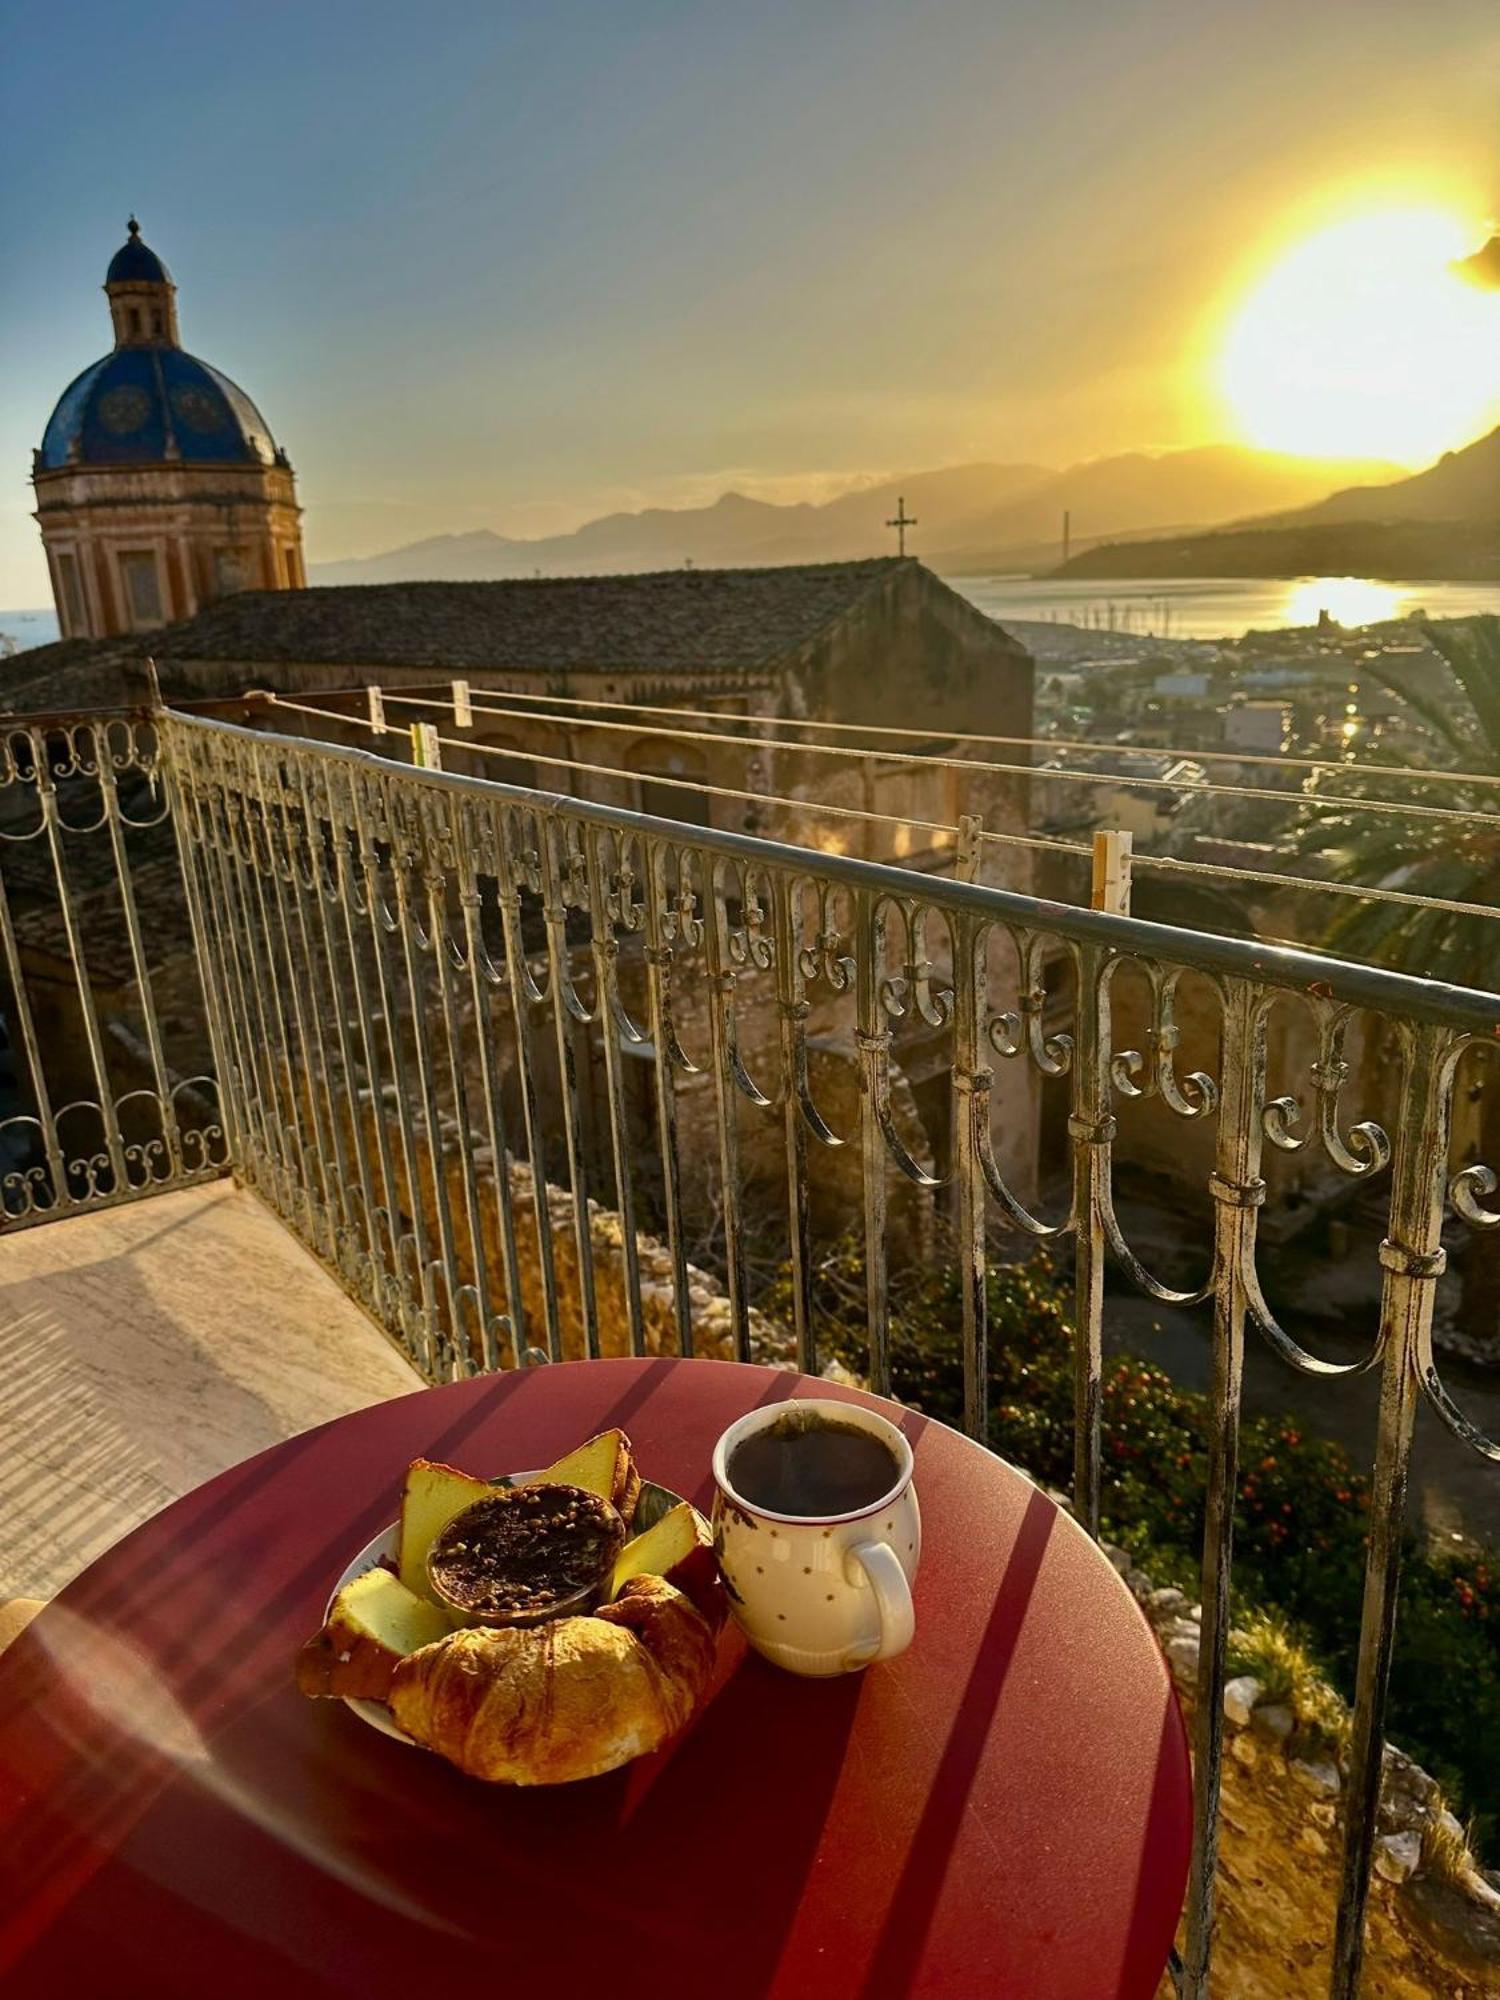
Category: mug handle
[886,1577]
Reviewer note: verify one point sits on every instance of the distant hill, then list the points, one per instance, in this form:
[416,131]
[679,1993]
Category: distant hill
[1441,526]
[982,516]
[1141,493]
[1463,486]
[1392,551]
[734,530]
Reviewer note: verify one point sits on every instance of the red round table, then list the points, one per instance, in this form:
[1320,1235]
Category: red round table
[1003,1811]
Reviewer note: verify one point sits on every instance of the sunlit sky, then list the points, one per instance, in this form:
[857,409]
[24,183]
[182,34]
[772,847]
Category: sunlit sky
[510,266]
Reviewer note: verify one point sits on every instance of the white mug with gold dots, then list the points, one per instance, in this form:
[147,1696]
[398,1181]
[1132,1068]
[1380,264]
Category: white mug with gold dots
[820,1594]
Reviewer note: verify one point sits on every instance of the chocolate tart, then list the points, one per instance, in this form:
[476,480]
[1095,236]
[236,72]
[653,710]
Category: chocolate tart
[526,1554]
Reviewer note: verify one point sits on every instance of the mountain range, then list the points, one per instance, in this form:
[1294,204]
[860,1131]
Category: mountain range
[967,517]
[1441,525]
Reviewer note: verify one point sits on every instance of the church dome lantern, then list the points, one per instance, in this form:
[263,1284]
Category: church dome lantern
[142,297]
[159,485]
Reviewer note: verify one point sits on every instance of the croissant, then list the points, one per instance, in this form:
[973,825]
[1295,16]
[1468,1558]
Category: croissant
[565,1700]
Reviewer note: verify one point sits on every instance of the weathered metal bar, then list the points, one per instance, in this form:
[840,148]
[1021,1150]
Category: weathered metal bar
[792,1010]
[972,1080]
[1091,1125]
[171,1137]
[1412,1258]
[662,927]
[568,1012]
[873,1038]
[1238,1191]
[201,823]
[192,860]
[317,816]
[523,994]
[302,873]
[31,1049]
[611,905]
[282,1149]
[256,866]
[722,979]
[114,1144]
[271,1163]
[303,1077]
[420,1305]
[475,837]
[440,866]
[410,852]
[386,1260]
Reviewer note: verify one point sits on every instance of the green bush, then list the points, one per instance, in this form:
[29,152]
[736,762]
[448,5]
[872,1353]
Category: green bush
[1302,1518]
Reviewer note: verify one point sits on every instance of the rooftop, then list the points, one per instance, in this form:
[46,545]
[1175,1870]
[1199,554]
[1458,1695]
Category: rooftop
[694,621]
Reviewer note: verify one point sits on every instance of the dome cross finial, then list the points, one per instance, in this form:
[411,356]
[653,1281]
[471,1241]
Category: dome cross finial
[133,227]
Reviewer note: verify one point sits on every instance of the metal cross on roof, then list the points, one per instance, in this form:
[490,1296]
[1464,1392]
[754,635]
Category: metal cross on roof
[901,521]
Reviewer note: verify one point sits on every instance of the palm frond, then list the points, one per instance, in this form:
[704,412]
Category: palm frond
[1471,648]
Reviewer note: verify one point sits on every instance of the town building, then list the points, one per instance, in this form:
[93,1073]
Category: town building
[159,487]
[878,643]
[594,686]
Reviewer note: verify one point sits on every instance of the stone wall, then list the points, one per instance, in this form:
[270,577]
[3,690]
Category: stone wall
[1433,1926]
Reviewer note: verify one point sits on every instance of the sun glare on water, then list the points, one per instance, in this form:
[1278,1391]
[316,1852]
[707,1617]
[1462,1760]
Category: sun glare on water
[1364,342]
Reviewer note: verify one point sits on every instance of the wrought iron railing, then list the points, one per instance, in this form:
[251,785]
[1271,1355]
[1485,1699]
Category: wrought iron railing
[480,1045]
[105,1095]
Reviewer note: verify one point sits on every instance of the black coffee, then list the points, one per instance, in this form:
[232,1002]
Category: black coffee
[812,1466]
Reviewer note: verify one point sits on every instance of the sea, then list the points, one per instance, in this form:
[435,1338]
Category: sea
[1192,607]
[1159,607]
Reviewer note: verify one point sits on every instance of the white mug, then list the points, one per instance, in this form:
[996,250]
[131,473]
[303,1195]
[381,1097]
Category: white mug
[822,1594]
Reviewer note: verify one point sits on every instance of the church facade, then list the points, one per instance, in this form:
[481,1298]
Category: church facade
[159,487]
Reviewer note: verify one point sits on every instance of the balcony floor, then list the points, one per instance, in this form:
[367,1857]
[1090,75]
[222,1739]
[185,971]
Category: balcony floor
[144,1349]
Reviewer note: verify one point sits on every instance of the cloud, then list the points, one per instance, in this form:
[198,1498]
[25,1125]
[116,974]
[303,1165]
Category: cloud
[1483,268]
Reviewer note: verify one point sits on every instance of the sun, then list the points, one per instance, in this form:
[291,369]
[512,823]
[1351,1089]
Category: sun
[1363,342]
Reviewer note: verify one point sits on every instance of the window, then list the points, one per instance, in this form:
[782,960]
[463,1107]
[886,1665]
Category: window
[657,768]
[229,571]
[142,586]
[70,588]
[665,800]
[135,323]
[291,569]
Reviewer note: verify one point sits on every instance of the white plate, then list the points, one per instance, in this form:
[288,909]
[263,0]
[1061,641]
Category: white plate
[653,1502]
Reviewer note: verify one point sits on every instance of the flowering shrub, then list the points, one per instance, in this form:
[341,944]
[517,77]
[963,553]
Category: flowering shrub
[1302,1513]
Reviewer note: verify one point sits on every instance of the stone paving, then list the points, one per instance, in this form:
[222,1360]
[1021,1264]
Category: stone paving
[143,1349]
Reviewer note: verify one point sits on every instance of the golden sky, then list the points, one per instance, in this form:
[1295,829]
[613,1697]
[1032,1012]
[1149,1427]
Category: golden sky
[514,266]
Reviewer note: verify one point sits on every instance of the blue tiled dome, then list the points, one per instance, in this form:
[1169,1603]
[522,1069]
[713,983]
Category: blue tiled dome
[145,405]
[134,264]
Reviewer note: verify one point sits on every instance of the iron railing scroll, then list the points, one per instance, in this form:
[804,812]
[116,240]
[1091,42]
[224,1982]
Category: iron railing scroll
[105,1092]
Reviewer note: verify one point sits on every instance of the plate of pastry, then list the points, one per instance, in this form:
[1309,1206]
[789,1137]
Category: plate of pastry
[535,1628]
